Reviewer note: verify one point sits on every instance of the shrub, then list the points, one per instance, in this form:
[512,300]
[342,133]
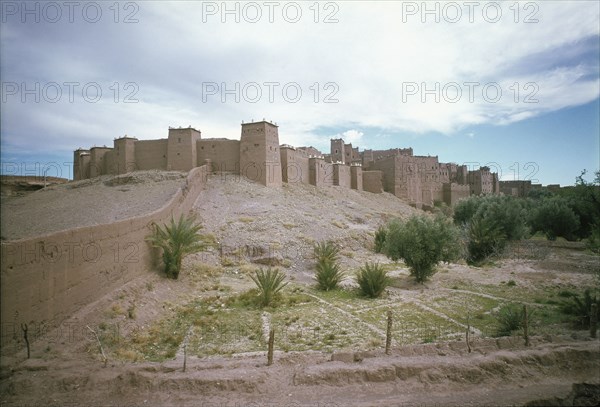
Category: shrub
[326,251]
[372,280]
[269,284]
[580,308]
[176,240]
[380,239]
[555,218]
[328,275]
[510,318]
[485,238]
[593,242]
[422,242]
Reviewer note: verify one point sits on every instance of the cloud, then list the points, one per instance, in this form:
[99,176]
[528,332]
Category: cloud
[377,67]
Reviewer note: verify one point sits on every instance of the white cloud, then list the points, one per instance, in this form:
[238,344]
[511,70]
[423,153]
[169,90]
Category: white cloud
[366,61]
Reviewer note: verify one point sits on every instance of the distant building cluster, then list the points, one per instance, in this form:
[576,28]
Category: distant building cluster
[419,180]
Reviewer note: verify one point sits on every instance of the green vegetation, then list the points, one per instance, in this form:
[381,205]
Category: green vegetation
[422,243]
[579,308]
[372,280]
[328,273]
[510,317]
[491,221]
[176,240]
[380,235]
[326,251]
[555,218]
[269,284]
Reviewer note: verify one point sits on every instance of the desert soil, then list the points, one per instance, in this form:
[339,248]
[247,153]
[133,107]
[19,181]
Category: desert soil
[252,223]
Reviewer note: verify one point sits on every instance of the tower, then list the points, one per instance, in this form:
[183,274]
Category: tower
[337,150]
[260,159]
[181,149]
[124,155]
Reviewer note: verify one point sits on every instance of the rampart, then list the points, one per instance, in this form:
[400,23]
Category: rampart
[48,278]
[422,181]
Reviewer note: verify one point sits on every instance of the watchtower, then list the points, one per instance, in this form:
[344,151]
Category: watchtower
[260,158]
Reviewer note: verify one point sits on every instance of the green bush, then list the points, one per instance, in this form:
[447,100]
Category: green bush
[580,308]
[593,242]
[422,242]
[485,238]
[372,280]
[176,240]
[326,251]
[328,275]
[555,218]
[509,318]
[269,284]
[380,239]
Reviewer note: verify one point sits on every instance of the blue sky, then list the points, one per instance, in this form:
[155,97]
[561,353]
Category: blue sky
[514,85]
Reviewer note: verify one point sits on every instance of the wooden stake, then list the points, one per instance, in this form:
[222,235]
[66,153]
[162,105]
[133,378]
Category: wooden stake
[388,335]
[594,320]
[184,356]
[24,329]
[468,333]
[525,325]
[270,351]
[100,344]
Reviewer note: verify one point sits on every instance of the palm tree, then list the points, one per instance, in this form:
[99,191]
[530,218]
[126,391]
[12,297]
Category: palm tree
[176,240]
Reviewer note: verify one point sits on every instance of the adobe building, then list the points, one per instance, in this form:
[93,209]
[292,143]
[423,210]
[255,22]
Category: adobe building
[256,155]
[516,188]
[419,180]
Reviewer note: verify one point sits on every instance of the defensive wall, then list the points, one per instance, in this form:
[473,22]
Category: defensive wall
[48,278]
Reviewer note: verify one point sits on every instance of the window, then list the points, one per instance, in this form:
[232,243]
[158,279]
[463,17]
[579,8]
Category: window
[179,139]
[256,145]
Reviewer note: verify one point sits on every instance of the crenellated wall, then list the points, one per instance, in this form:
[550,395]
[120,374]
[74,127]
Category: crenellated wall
[45,279]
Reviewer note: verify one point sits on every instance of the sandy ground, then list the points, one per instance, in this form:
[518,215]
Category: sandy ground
[256,223]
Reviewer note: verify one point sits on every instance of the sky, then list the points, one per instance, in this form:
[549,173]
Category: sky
[511,85]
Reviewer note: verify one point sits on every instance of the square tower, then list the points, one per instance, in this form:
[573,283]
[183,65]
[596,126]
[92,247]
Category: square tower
[260,158]
[124,155]
[337,150]
[181,149]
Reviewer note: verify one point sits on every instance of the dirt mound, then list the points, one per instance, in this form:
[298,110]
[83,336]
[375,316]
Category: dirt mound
[500,366]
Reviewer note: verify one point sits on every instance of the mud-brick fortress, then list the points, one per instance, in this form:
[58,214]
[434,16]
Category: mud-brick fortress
[419,180]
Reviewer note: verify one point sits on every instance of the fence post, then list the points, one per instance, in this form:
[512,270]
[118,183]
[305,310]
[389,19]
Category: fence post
[270,351]
[24,329]
[468,333]
[594,320]
[184,356]
[525,325]
[388,335]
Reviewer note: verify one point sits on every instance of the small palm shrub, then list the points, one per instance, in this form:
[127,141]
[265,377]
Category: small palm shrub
[326,251]
[269,283]
[510,318]
[328,275]
[580,308]
[380,235]
[485,239]
[176,240]
[372,280]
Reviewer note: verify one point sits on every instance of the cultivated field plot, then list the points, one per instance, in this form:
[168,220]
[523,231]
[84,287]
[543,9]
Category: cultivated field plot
[223,319]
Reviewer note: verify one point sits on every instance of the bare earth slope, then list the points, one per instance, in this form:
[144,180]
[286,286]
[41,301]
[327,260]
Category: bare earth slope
[278,226]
